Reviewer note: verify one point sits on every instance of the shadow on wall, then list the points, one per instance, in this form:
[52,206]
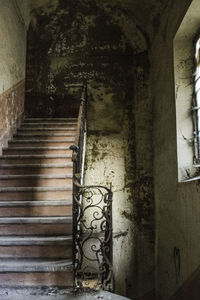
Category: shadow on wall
[76,43]
[52,106]
[99,43]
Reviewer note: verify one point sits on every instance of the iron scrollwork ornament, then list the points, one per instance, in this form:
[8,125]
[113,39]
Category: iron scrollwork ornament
[93,237]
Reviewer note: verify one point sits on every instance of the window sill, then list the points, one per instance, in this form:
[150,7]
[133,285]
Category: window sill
[191,179]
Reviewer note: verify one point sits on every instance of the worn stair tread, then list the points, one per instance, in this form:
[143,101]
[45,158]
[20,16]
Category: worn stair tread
[35,265]
[11,166]
[18,203]
[47,129]
[35,189]
[36,230]
[39,141]
[22,156]
[38,148]
[35,240]
[36,220]
[44,123]
[36,176]
[49,119]
[43,134]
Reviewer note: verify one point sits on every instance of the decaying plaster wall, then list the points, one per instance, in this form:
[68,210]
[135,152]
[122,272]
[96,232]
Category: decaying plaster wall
[108,44]
[177,204]
[124,159]
[12,65]
[100,43]
[78,42]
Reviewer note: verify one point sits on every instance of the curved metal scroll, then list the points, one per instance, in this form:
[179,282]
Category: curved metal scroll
[93,237]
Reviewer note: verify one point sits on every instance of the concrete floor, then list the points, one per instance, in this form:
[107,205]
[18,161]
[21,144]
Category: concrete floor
[53,293]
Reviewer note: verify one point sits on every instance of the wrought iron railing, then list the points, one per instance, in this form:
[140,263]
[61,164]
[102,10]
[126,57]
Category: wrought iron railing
[78,155]
[93,237]
[92,219]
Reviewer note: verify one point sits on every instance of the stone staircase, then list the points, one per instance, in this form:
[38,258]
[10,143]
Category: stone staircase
[36,205]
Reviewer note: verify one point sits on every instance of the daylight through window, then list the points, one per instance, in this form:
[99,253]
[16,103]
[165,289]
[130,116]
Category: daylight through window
[196,104]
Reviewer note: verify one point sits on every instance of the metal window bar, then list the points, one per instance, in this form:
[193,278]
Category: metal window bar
[196,104]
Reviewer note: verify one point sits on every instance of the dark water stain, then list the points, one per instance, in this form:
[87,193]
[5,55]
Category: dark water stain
[88,45]
[127,215]
[88,37]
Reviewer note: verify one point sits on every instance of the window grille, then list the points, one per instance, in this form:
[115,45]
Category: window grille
[196,104]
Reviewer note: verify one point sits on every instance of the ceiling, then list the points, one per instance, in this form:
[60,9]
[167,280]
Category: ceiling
[146,13]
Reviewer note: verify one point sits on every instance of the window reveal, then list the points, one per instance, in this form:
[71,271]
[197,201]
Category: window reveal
[196,104]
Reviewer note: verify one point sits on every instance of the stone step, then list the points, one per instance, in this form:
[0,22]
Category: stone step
[36,211]
[46,150]
[47,130]
[44,136]
[58,250]
[37,279]
[37,130]
[40,143]
[36,272]
[19,203]
[35,180]
[36,220]
[57,120]
[35,229]
[35,265]
[17,208]
[27,226]
[17,169]
[35,193]
[40,158]
[44,124]
[36,204]
[37,246]
[35,240]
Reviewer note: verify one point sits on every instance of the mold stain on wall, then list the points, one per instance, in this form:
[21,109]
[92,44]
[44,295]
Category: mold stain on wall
[78,41]
[12,68]
[11,110]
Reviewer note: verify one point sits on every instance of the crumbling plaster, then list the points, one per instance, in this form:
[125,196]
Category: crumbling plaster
[145,14]
[13,24]
[13,46]
[101,43]
[123,134]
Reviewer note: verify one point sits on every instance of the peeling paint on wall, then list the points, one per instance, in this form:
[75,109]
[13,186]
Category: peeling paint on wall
[101,44]
[79,42]
[11,110]
[12,66]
